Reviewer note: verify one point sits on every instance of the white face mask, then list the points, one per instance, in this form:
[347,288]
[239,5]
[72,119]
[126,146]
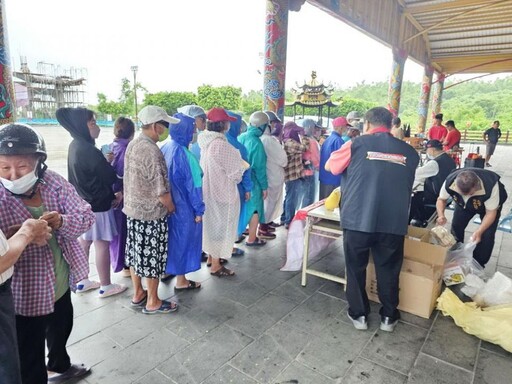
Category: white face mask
[21,185]
[430,157]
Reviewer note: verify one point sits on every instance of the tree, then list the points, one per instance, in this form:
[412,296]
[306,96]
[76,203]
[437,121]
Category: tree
[226,97]
[126,103]
[170,101]
[108,107]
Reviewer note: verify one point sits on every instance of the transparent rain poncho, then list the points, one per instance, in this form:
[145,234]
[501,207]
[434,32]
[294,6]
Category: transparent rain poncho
[223,168]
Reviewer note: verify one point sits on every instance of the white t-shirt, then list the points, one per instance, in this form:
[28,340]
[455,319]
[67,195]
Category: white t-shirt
[490,204]
[4,247]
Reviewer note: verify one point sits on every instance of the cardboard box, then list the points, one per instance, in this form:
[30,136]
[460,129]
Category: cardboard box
[420,277]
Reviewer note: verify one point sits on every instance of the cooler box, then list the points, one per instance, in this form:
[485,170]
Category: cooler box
[475,163]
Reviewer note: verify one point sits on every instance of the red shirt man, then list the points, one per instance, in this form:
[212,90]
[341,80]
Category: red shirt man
[453,136]
[438,130]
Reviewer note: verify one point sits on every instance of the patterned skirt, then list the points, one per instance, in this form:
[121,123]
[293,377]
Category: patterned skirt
[146,247]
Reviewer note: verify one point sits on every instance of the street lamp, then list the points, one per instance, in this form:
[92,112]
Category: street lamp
[134,69]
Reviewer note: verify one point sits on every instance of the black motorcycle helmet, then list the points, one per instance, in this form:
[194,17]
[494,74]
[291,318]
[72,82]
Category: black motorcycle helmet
[21,139]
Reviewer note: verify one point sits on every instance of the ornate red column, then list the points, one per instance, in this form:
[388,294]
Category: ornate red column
[426,85]
[6,85]
[395,80]
[276,38]
[437,97]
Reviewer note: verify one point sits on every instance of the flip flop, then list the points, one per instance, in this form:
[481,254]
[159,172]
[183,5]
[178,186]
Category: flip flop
[141,302]
[256,243]
[166,307]
[191,285]
[74,371]
[223,272]
[222,262]
[237,252]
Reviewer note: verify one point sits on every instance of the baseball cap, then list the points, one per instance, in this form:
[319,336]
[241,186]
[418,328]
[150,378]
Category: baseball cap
[340,122]
[434,144]
[151,114]
[272,116]
[354,115]
[192,111]
[219,114]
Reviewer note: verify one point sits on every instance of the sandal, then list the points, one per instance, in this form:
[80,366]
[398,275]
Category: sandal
[191,285]
[166,307]
[223,272]
[240,239]
[266,235]
[222,262]
[237,252]
[141,302]
[256,243]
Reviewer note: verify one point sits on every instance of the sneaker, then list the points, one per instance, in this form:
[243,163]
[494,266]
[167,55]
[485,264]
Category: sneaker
[488,165]
[387,324]
[360,323]
[74,371]
[87,285]
[275,225]
[111,290]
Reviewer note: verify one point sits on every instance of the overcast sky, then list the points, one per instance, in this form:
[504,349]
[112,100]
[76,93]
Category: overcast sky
[181,44]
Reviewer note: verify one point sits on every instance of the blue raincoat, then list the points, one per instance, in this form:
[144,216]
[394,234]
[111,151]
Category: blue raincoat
[185,178]
[246,184]
[258,161]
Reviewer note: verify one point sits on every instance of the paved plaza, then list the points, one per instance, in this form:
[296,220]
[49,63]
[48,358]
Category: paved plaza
[262,326]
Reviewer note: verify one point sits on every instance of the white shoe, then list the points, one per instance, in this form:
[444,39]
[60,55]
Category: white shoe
[112,289]
[360,323]
[388,325]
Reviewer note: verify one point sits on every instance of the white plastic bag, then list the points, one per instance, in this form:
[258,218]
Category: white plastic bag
[496,291]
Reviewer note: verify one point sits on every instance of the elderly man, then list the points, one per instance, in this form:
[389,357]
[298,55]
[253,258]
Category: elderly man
[475,191]
[44,275]
[428,181]
[328,181]
[374,213]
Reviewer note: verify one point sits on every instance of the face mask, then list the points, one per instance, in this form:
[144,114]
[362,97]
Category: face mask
[21,185]
[164,135]
[430,157]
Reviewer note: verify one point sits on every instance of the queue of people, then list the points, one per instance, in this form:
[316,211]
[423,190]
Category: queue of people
[153,207]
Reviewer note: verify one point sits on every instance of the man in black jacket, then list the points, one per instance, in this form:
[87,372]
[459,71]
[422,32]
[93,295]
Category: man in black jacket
[379,172]
[428,181]
[475,191]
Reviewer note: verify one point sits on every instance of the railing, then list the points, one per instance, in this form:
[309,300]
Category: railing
[478,136]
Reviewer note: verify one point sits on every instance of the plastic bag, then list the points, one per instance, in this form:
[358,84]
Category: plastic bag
[460,263]
[442,236]
[496,291]
[492,324]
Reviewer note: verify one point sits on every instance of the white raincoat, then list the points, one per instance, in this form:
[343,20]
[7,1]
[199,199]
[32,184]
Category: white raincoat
[223,168]
[276,161]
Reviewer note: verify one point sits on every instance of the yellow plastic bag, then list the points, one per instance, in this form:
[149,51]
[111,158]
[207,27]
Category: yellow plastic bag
[492,324]
[333,201]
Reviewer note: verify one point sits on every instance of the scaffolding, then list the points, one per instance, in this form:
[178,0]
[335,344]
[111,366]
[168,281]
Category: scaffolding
[50,88]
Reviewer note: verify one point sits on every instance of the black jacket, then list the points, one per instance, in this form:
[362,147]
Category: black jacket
[88,170]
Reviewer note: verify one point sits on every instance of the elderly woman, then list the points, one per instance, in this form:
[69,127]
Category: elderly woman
[185,225]
[44,275]
[199,116]
[294,145]
[223,169]
[311,162]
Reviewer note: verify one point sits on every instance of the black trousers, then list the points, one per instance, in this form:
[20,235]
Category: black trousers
[55,328]
[325,190]
[388,254]
[418,210]
[483,250]
[9,361]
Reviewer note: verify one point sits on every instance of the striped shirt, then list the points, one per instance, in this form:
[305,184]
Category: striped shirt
[33,281]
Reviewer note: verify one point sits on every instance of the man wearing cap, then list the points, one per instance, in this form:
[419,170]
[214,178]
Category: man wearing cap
[199,115]
[328,181]
[428,181]
[475,191]
[374,213]
[147,202]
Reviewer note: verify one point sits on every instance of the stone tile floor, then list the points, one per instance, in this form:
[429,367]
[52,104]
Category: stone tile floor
[262,326]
